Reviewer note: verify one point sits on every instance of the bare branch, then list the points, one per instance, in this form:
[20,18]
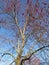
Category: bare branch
[15,19]
[25,25]
[7,54]
[33,53]
[12,63]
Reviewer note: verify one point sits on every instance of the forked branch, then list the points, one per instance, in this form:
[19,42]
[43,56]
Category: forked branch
[27,58]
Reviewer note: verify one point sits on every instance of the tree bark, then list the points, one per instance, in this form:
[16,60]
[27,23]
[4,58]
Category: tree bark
[18,61]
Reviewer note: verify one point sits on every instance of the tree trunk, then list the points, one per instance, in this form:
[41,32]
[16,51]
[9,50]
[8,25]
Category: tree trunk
[18,61]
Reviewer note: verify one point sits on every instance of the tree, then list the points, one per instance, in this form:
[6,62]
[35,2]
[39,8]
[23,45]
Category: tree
[29,20]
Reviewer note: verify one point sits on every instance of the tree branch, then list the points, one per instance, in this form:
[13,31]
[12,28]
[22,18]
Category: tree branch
[7,54]
[12,63]
[33,53]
